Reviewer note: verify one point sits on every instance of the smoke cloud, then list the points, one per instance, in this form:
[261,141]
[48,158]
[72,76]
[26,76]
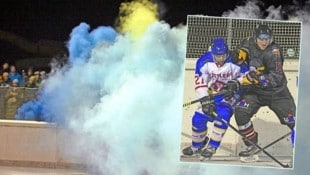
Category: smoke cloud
[122,94]
[136,16]
[249,10]
[139,99]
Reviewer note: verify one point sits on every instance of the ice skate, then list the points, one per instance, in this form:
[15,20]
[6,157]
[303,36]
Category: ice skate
[207,153]
[191,151]
[249,155]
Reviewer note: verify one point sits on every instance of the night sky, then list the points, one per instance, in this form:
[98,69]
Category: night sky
[38,20]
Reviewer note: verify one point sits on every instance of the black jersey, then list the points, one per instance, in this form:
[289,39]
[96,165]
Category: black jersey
[270,61]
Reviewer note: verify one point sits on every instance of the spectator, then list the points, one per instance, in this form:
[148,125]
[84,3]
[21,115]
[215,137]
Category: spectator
[27,75]
[15,83]
[29,72]
[5,68]
[42,77]
[6,79]
[37,77]
[24,77]
[32,83]
[1,80]
[15,75]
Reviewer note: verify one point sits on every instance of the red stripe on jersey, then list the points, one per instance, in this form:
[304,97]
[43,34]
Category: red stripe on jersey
[201,86]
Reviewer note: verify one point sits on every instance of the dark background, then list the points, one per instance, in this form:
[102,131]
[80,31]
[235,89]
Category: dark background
[51,21]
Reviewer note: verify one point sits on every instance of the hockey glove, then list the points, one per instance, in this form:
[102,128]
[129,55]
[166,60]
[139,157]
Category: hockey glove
[209,109]
[252,77]
[242,56]
[231,87]
[207,105]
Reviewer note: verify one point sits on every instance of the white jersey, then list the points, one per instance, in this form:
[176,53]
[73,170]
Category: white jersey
[215,77]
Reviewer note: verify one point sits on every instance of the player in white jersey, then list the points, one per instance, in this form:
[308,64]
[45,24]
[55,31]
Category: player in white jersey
[213,70]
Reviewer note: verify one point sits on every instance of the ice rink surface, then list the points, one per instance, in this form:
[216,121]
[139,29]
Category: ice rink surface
[263,161]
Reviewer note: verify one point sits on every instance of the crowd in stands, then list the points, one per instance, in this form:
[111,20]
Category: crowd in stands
[9,76]
[15,85]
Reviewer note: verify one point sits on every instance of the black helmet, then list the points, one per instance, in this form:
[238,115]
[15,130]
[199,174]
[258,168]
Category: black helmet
[262,31]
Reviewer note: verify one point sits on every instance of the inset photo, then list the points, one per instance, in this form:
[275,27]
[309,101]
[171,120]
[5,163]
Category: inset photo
[240,91]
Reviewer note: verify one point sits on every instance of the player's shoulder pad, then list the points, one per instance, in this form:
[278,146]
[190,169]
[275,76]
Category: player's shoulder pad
[229,59]
[275,46]
[207,57]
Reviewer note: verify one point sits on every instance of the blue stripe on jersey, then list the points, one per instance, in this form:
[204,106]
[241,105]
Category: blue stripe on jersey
[207,57]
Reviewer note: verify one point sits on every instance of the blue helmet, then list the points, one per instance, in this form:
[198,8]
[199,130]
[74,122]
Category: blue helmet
[219,47]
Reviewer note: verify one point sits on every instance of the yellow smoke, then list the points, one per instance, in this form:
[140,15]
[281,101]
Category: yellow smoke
[136,16]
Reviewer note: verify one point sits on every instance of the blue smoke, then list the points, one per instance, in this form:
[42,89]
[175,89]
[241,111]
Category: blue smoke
[82,42]
[32,110]
[54,98]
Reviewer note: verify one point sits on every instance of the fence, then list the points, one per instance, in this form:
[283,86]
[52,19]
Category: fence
[202,29]
[11,98]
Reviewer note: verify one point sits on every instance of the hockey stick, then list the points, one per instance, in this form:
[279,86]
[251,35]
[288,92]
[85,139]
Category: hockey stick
[265,147]
[257,146]
[206,99]
[272,143]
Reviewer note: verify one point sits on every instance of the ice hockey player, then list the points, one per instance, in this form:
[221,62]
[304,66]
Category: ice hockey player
[268,86]
[213,70]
